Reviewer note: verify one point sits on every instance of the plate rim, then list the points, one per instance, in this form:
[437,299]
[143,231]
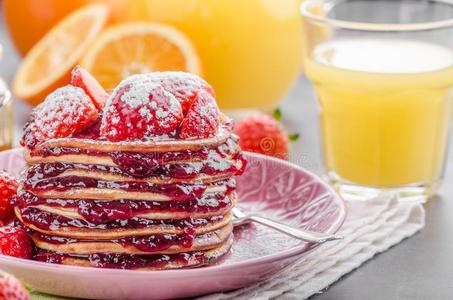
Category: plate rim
[294,251]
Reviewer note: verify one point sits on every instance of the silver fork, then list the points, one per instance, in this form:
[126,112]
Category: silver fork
[240,218]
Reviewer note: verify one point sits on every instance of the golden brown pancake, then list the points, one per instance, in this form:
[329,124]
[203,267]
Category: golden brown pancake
[115,233]
[104,160]
[159,145]
[112,194]
[204,241]
[107,176]
[190,260]
[72,212]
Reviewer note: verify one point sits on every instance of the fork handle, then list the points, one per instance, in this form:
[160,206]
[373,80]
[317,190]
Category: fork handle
[308,236]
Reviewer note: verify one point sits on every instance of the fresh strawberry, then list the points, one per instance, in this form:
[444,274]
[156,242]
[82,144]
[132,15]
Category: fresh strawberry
[32,135]
[14,241]
[11,288]
[8,189]
[66,111]
[139,111]
[81,78]
[202,119]
[262,134]
[184,86]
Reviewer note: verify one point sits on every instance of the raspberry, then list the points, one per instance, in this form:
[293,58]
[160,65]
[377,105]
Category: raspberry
[11,288]
[262,134]
[14,241]
[184,86]
[66,111]
[139,111]
[202,119]
[84,80]
[8,189]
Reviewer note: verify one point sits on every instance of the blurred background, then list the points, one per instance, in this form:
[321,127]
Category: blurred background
[250,52]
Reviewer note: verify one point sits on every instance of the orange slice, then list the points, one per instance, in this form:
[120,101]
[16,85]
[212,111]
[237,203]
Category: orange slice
[136,47]
[48,64]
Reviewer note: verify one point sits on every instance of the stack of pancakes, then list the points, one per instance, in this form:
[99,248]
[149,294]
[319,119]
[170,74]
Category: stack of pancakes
[158,204]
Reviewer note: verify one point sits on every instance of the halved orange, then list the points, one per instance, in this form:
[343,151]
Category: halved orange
[139,47]
[48,64]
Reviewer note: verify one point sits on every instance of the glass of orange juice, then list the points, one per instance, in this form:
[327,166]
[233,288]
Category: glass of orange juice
[383,73]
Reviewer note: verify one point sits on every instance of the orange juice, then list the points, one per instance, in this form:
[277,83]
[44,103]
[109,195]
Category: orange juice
[385,109]
[250,49]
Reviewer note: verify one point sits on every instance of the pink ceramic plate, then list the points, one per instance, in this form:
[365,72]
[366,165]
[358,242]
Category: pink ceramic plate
[270,187]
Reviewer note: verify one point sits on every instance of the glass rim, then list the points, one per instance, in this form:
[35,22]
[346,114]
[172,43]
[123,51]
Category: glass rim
[5,94]
[364,26]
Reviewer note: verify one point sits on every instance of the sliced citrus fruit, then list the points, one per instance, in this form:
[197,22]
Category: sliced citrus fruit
[136,47]
[48,64]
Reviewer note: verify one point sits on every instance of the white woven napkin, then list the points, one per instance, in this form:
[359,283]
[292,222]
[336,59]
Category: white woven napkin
[371,227]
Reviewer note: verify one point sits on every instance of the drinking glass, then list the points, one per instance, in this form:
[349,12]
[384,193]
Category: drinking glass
[6,117]
[383,72]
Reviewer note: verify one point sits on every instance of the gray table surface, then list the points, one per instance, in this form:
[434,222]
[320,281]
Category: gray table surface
[421,267]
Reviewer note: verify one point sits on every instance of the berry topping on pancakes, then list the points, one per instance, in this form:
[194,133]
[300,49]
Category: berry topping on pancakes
[139,111]
[184,86]
[202,119]
[143,107]
[64,112]
[84,80]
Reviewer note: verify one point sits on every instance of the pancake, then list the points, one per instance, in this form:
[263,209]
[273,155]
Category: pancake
[146,245]
[113,194]
[72,212]
[72,187]
[151,262]
[69,158]
[90,209]
[105,233]
[70,155]
[107,176]
[159,145]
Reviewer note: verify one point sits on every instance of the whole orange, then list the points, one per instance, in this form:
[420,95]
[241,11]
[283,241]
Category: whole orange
[28,20]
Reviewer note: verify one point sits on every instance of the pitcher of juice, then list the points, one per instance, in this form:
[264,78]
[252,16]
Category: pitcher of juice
[383,73]
[249,49]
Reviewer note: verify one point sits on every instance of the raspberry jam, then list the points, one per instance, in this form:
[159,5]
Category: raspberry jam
[125,261]
[149,244]
[160,242]
[48,221]
[100,212]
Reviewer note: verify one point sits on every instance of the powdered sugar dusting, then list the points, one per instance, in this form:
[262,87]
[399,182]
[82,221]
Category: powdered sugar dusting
[64,112]
[202,119]
[184,86]
[140,110]
[217,162]
[138,95]
[61,106]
